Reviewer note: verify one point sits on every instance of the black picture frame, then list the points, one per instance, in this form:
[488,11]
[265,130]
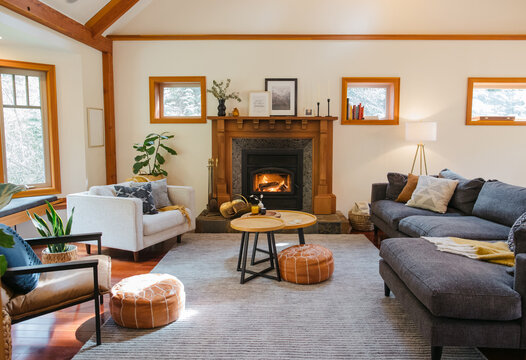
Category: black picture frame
[283,96]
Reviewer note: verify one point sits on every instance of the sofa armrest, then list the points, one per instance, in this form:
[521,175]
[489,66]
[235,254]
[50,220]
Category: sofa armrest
[119,219]
[520,287]
[378,191]
[183,195]
[520,239]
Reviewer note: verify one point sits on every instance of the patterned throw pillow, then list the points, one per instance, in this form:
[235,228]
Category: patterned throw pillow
[160,192]
[511,237]
[143,192]
[432,193]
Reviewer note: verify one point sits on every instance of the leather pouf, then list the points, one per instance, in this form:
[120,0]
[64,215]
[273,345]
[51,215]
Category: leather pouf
[306,264]
[147,301]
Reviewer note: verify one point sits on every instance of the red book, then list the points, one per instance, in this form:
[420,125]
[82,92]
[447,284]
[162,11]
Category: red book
[361,112]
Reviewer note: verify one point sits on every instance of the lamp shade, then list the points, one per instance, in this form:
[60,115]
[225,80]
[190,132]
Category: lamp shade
[421,131]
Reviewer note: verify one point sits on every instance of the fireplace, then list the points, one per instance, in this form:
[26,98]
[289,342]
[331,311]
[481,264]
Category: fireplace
[277,174]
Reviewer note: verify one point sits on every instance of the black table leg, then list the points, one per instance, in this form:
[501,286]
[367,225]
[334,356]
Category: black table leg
[275,255]
[270,252]
[240,251]
[254,249]
[301,235]
[244,260]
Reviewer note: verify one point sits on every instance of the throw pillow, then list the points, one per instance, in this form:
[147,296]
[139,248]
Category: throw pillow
[406,193]
[105,190]
[466,193]
[511,237]
[432,193]
[143,192]
[500,202]
[160,192]
[395,186]
[19,255]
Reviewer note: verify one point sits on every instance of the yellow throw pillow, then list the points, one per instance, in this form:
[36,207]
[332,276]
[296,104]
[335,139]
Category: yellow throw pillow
[407,191]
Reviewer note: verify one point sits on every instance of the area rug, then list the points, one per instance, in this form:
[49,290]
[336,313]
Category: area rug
[346,317]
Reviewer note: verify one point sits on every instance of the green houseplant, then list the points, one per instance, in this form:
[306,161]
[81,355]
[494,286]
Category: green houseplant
[150,157]
[55,253]
[220,93]
[7,191]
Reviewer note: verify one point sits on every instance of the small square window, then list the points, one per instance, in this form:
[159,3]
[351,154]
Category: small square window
[370,101]
[496,101]
[180,99]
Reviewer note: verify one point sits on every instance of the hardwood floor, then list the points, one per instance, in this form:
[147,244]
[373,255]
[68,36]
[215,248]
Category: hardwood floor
[61,334]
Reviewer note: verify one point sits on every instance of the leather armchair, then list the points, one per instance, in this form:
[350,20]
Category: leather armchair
[61,285]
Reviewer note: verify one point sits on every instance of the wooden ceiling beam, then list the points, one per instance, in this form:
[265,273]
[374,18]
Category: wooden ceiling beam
[47,16]
[108,15]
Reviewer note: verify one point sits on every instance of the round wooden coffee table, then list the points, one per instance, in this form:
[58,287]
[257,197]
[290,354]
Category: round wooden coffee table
[293,220]
[256,225]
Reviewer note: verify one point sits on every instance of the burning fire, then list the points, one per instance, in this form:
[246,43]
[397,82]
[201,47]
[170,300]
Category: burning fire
[272,183]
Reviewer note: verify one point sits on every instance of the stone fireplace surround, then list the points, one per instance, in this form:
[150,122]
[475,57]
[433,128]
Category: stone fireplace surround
[316,130]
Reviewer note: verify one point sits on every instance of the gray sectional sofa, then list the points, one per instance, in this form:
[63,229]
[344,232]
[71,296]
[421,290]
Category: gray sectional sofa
[455,300]
[483,212]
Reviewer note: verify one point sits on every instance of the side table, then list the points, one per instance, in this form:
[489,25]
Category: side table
[256,225]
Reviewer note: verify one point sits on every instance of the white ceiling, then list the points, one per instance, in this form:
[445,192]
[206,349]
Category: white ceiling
[79,10]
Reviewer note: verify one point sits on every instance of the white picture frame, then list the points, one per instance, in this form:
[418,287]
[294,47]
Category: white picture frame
[259,103]
[95,127]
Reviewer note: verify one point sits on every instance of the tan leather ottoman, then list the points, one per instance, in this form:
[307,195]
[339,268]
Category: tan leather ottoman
[147,301]
[306,264]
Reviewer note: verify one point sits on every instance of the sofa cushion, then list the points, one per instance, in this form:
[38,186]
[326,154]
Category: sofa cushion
[466,193]
[164,220]
[21,254]
[396,183]
[392,212]
[451,285]
[500,202]
[468,227]
[59,288]
[433,193]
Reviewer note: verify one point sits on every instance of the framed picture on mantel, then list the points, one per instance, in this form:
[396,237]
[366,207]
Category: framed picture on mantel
[259,104]
[283,96]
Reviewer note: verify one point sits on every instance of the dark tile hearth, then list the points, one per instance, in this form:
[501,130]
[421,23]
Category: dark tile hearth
[213,222]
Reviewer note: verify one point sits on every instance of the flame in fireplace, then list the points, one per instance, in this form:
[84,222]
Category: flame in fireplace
[272,182]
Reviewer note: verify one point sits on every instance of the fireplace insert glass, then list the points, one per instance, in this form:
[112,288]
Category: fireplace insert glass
[272,180]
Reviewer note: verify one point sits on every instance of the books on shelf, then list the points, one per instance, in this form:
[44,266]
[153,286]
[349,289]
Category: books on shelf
[354,112]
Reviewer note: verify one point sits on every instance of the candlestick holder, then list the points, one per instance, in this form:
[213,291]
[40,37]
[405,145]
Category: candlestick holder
[318,108]
[328,107]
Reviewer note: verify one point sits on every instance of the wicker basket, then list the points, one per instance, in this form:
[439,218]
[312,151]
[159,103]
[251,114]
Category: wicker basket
[6,329]
[360,222]
[54,258]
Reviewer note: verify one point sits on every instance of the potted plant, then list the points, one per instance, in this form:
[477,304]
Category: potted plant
[150,158]
[55,253]
[220,93]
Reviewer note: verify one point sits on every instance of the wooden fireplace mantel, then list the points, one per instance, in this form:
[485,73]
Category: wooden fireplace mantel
[319,129]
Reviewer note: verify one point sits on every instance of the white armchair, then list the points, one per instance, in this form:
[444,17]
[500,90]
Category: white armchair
[122,222]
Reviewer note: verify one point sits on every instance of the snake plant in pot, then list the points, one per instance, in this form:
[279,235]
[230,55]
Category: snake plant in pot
[55,253]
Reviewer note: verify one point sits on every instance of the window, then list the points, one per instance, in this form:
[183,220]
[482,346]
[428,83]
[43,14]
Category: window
[178,99]
[496,101]
[28,126]
[370,101]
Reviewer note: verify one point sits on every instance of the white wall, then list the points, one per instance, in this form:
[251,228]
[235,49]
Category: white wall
[433,87]
[79,86]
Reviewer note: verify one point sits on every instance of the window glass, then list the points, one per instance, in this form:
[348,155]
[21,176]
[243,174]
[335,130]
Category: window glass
[488,102]
[373,100]
[182,100]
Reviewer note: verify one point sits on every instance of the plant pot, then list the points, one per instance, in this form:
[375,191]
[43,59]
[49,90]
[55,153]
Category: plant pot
[145,178]
[221,108]
[53,258]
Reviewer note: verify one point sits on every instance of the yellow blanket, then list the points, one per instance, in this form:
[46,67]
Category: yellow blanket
[181,208]
[495,252]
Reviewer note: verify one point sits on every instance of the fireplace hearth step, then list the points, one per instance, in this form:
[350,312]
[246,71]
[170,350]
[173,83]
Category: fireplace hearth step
[213,222]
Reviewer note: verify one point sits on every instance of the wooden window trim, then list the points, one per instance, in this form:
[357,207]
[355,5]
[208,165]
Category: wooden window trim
[156,105]
[469,118]
[51,108]
[393,99]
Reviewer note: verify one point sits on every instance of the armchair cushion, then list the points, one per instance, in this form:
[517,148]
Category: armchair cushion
[153,224]
[59,288]
[20,254]
[141,191]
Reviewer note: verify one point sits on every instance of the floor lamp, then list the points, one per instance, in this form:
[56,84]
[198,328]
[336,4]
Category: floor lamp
[420,132]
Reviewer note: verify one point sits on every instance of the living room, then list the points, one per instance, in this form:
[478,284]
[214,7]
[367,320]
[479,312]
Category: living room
[431,57]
